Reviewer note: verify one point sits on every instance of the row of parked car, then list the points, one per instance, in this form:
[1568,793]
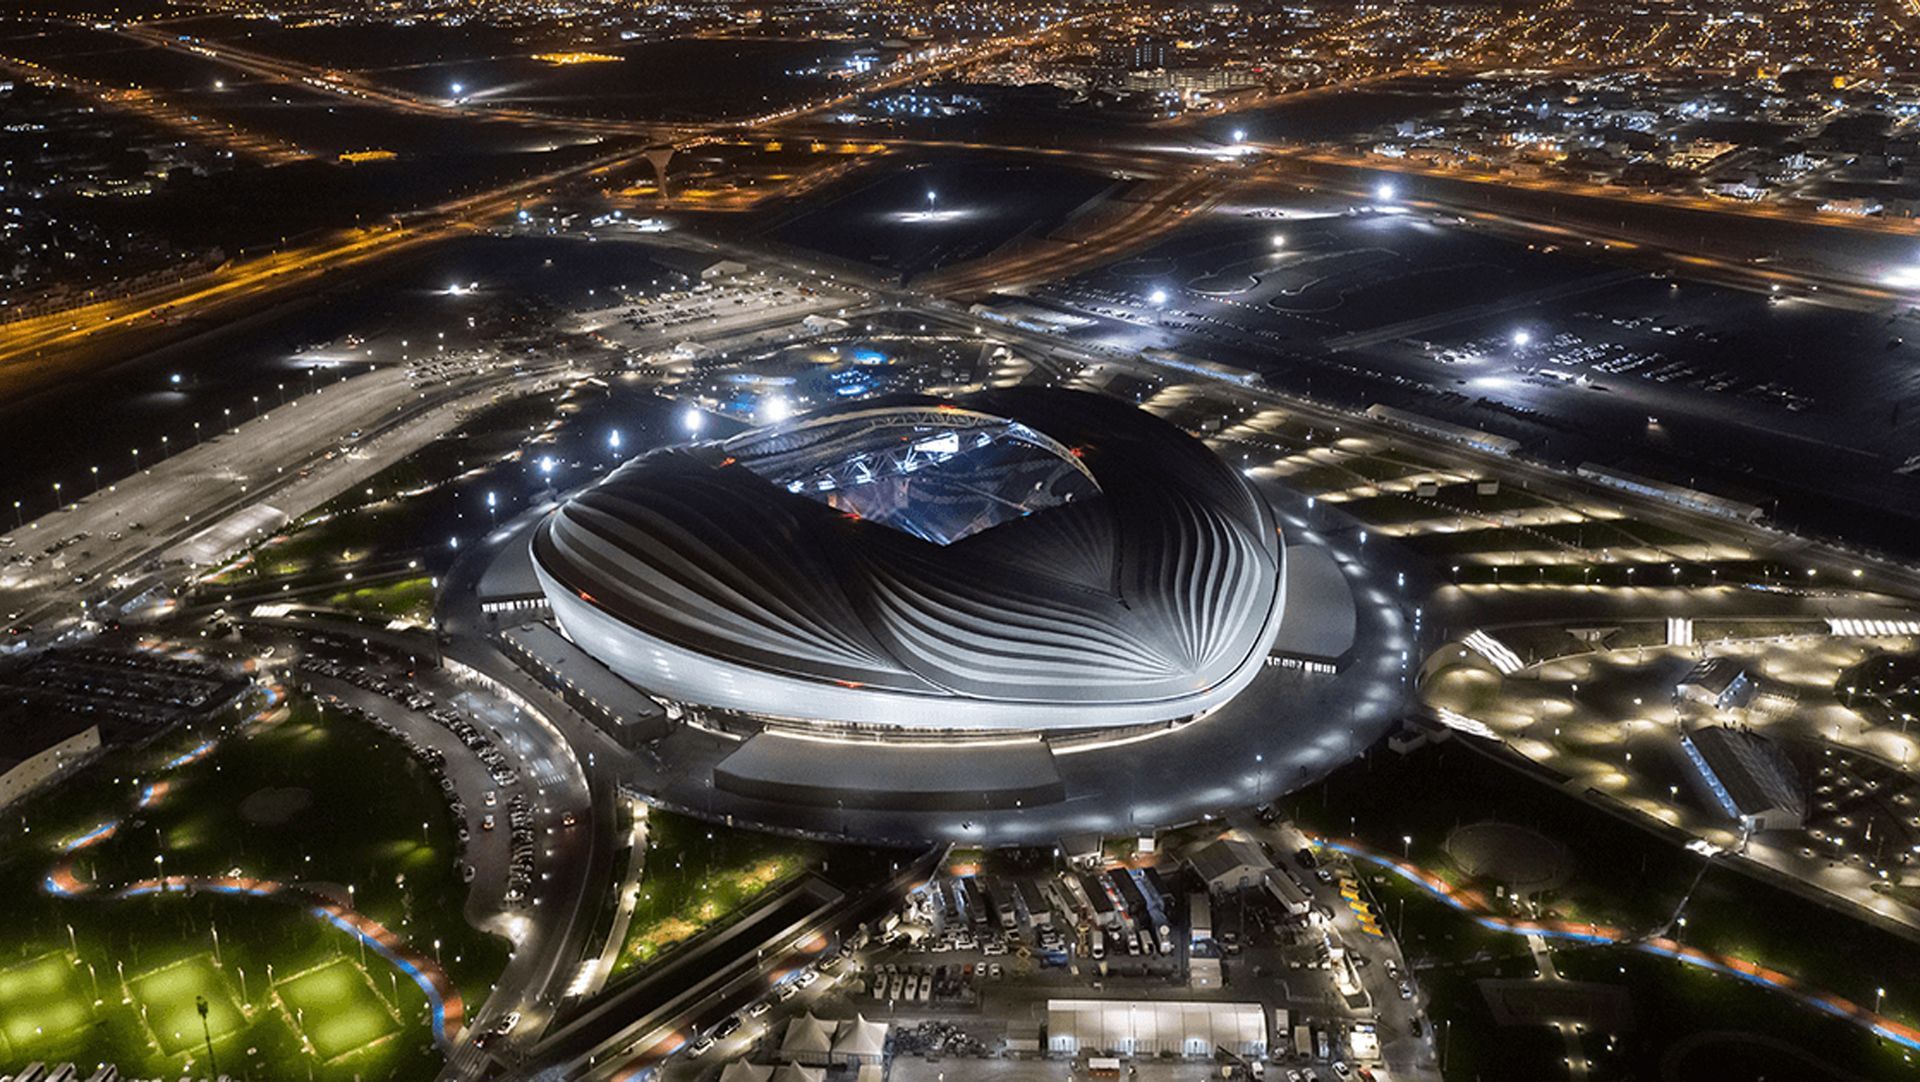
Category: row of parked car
[796,983]
[499,766]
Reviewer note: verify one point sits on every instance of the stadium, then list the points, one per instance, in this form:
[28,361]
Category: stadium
[1016,561]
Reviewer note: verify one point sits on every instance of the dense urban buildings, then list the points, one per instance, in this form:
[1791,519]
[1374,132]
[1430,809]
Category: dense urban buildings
[955,541]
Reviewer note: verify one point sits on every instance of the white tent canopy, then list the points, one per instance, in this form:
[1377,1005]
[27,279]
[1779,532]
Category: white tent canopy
[793,1072]
[742,1071]
[807,1036]
[1154,1027]
[859,1037]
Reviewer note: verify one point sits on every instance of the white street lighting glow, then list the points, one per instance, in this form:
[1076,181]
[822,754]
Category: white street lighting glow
[1279,240]
[691,419]
[613,439]
[1239,135]
[1158,296]
[457,88]
[775,409]
[1521,338]
[1384,192]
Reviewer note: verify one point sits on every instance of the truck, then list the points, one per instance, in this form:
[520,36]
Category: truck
[1303,1039]
[1003,905]
[1104,915]
[1130,897]
[1039,914]
[1200,917]
[1288,892]
[1076,892]
[1156,912]
[1061,900]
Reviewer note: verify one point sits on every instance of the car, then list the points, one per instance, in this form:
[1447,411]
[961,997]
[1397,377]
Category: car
[1305,858]
[786,991]
[806,978]
[492,798]
[1340,1068]
[701,1047]
[568,820]
[1323,875]
[993,971]
[728,1026]
[759,1007]
[486,821]
[1406,990]
[466,873]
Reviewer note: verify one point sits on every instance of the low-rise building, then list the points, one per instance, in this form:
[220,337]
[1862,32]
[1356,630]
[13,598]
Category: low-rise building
[1747,777]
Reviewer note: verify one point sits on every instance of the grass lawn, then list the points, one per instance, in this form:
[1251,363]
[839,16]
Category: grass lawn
[337,1008]
[410,598]
[168,997]
[40,1000]
[700,875]
[697,876]
[369,816]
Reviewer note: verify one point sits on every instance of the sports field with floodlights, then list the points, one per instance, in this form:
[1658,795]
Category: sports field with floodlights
[268,819]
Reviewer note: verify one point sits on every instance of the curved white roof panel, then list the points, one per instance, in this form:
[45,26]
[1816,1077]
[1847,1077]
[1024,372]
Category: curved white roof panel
[1020,559]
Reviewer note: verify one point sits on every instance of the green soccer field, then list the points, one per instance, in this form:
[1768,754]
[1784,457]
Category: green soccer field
[168,999]
[336,1007]
[41,1001]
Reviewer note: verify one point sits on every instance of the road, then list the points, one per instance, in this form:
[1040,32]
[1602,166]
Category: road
[28,343]
[1405,1055]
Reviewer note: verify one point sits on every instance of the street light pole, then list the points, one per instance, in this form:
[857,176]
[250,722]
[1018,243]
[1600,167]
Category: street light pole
[206,1031]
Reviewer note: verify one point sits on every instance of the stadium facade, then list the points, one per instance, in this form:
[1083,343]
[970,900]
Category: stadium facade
[1024,559]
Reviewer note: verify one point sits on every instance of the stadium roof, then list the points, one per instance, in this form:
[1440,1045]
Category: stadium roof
[1021,558]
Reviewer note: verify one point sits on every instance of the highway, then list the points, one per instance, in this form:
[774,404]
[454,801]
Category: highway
[28,344]
[200,129]
[154,33]
[44,338]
